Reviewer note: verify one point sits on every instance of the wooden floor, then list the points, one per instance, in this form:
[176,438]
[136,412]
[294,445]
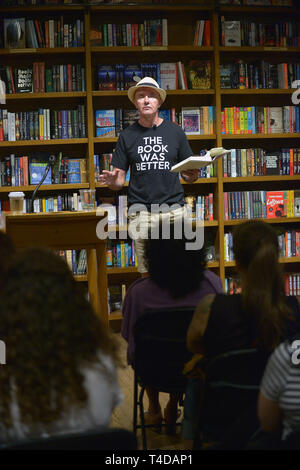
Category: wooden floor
[123,415]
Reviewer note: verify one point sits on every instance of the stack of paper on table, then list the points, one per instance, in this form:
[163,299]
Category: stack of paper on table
[196,162]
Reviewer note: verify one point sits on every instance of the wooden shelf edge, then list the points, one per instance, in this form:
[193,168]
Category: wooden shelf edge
[293,259]
[43,50]
[49,95]
[29,143]
[257,91]
[45,187]
[279,220]
[251,179]
[295,135]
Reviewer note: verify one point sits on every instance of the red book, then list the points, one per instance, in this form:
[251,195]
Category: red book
[206,34]
[276,204]
[41,70]
[36,84]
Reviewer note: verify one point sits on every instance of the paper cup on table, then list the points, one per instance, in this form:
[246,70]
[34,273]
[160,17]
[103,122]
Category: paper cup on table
[88,198]
[16,200]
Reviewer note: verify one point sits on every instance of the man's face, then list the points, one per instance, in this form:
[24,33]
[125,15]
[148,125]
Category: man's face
[147,101]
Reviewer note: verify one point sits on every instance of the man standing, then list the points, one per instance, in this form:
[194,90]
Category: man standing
[150,147]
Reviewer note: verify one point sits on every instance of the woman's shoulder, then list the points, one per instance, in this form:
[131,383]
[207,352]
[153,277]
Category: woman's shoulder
[213,279]
[141,285]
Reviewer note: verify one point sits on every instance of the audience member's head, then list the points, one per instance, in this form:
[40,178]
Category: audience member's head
[256,251]
[171,265]
[7,250]
[51,332]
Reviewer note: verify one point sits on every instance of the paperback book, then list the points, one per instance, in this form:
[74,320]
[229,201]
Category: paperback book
[197,162]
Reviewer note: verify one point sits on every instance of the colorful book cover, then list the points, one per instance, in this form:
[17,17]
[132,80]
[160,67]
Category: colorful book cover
[105,118]
[37,171]
[132,74]
[106,76]
[276,204]
[106,131]
[73,165]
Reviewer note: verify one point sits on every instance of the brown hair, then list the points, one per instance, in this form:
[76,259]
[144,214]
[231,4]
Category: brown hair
[256,251]
[50,331]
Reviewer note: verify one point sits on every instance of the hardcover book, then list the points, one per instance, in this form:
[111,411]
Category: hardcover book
[195,162]
[276,204]
[132,74]
[272,163]
[199,74]
[168,76]
[106,76]
[191,120]
[106,131]
[14,33]
[36,171]
[276,121]
[24,80]
[232,31]
[105,118]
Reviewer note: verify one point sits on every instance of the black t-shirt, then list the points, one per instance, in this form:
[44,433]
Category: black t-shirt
[150,154]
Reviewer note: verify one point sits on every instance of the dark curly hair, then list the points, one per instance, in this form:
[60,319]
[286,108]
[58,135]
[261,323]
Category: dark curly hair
[50,331]
[172,266]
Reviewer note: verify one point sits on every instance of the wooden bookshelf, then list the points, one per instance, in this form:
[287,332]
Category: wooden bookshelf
[181,26]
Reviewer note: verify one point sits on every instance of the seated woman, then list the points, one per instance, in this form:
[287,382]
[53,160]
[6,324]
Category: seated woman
[177,277]
[262,315]
[60,372]
[279,397]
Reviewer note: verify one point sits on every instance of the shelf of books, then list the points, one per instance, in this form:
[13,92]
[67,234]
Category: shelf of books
[232,75]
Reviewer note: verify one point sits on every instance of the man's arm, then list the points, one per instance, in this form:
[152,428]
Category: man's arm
[114,179]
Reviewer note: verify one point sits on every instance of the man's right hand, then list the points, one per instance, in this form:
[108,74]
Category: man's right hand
[114,179]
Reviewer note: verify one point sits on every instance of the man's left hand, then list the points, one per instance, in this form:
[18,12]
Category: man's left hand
[190,175]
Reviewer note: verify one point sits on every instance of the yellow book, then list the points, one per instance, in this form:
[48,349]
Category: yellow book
[69,258]
[265,121]
[292,203]
[205,120]
[245,120]
[226,120]
[44,204]
[83,171]
[244,162]
[238,122]
[122,255]
[55,205]
[231,121]
[41,126]
[242,121]
[288,205]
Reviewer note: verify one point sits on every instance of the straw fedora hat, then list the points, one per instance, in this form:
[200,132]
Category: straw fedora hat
[146,82]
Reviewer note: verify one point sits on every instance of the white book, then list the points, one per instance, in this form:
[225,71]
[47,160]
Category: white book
[195,162]
[181,83]
[232,30]
[201,29]
[168,75]
[276,121]
[233,163]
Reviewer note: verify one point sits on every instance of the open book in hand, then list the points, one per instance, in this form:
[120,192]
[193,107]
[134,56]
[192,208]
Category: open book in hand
[195,162]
